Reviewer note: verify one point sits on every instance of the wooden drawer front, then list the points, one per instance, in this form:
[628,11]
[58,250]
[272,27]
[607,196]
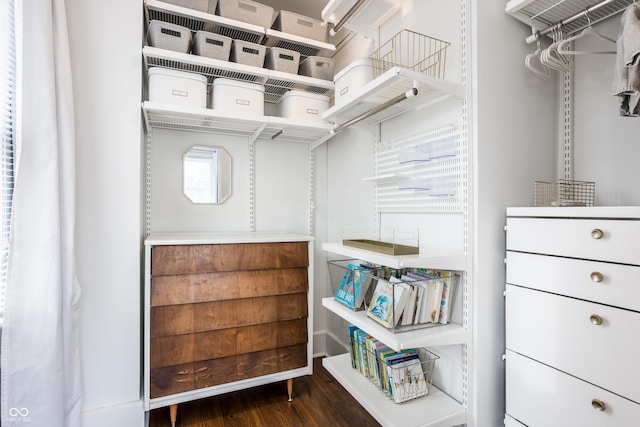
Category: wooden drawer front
[208,316]
[184,259]
[619,285]
[572,237]
[540,396]
[202,287]
[197,375]
[559,332]
[181,349]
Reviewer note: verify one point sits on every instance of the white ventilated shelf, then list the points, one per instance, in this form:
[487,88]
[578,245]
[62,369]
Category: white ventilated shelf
[436,335]
[437,409]
[387,86]
[196,20]
[425,259]
[276,83]
[166,116]
[541,14]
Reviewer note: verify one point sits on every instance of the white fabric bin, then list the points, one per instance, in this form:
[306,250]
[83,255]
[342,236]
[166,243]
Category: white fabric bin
[351,78]
[165,35]
[177,87]
[300,25]
[317,67]
[234,96]
[303,106]
[247,11]
[248,53]
[208,6]
[212,45]
[284,60]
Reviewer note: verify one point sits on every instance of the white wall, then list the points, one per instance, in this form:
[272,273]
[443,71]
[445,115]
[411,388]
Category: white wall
[105,40]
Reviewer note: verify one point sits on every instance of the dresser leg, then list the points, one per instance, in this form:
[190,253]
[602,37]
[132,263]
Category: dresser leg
[290,388]
[173,413]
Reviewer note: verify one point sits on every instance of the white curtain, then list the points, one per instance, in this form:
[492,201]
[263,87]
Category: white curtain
[40,360]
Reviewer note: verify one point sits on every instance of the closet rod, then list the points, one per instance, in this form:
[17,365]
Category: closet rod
[389,103]
[337,27]
[532,38]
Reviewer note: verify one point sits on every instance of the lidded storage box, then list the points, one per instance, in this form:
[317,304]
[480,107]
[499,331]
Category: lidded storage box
[317,67]
[234,96]
[212,45]
[177,87]
[304,106]
[353,77]
[300,25]
[208,6]
[248,53]
[166,35]
[247,11]
[280,59]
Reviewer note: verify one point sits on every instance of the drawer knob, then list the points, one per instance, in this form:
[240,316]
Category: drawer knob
[598,405]
[596,233]
[595,319]
[597,277]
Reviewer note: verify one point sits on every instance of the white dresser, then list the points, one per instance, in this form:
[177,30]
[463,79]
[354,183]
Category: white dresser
[573,316]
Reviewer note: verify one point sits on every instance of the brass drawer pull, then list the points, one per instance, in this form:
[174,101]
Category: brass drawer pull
[596,233]
[598,405]
[597,277]
[595,319]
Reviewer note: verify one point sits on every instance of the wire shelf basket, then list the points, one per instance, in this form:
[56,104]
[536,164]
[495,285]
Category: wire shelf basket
[413,51]
[565,192]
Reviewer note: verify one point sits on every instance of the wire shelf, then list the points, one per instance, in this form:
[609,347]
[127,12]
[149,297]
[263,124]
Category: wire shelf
[412,51]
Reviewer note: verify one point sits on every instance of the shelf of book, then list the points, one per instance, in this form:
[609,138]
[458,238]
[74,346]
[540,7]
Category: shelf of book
[436,335]
[438,261]
[434,410]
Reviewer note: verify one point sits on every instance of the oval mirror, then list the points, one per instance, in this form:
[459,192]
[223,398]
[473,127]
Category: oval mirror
[206,175]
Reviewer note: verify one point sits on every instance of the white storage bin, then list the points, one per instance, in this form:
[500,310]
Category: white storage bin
[317,67]
[352,77]
[280,59]
[234,96]
[212,45]
[300,25]
[303,106]
[208,6]
[177,87]
[166,35]
[247,11]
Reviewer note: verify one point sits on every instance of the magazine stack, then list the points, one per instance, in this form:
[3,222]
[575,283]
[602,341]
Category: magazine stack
[399,300]
[402,375]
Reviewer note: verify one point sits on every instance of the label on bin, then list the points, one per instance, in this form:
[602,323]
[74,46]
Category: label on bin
[242,101]
[312,111]
[180,93]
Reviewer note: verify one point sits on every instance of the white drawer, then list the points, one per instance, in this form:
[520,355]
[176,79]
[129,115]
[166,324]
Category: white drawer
[620,241]
[559,332]
[540,396]
[607,283]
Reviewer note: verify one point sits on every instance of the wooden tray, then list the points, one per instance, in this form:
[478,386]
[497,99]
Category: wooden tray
[382,247]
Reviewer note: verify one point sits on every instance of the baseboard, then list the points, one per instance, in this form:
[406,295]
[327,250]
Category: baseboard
[333,345]
[129,414]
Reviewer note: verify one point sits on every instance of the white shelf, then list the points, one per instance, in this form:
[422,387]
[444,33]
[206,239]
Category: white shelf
[437,335]
[542,14]
[166,116]
[196,20]
[387,86]
[276,83]
[434,410]
[439,261]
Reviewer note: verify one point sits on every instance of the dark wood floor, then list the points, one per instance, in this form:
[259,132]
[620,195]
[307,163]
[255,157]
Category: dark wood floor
[318,400]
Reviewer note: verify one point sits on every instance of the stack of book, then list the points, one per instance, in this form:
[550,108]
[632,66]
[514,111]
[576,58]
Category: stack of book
[417,297]
[402,375]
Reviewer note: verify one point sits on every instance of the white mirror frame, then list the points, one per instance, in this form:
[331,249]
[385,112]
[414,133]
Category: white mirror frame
[206,174]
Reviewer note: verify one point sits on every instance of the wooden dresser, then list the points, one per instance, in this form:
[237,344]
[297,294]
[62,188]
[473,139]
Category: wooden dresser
[225,312]
[572,316]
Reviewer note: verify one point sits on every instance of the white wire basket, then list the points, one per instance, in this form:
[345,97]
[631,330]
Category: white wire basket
[413,51]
